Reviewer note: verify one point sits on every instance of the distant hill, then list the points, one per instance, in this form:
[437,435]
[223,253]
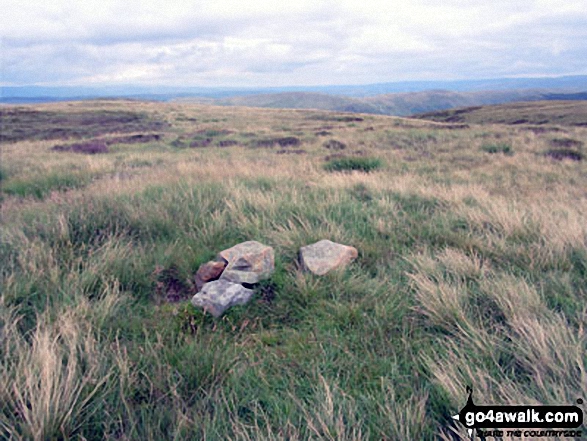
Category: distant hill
[571,113]
[417,102]
[565,83]
[302,100]
[401,98]
[31,93]
[401,104]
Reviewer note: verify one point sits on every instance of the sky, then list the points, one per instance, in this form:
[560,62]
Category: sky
[261,43]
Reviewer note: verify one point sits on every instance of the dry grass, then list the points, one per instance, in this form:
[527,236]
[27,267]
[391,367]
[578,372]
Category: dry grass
[526,340]
[53,378]
[471,272]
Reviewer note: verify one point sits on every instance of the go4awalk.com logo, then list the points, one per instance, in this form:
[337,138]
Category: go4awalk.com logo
[520,421]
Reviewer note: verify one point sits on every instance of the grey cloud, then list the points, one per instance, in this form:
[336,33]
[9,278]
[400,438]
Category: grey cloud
[318,46]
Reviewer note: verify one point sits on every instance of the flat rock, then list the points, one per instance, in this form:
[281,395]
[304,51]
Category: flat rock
[325,255]
[219,295]
[208,272]
[248,262]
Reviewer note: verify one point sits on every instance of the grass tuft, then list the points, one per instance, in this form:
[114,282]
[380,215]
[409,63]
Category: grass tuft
[363,164]
[506,149]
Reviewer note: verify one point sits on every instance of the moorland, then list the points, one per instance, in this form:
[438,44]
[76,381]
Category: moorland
[472,270]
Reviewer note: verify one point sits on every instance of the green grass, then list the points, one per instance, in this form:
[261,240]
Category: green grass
[349,164]
[504,148]
[470,272]
[41,186]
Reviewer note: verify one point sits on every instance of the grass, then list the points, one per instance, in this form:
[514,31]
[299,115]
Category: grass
[41,186]
[504,148]
[349,164]
[472,270]
[21,123]
[532,116]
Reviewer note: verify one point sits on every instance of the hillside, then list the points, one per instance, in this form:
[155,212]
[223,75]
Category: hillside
[301,100]
[568,113]
[399,104]
[24,94]
[471,271]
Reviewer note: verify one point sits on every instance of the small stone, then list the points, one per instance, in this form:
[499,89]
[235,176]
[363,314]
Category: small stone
[208,272]
[248,262]
[325,255]
[219,295]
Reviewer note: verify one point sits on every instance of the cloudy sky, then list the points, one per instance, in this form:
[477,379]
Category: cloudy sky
[278,43]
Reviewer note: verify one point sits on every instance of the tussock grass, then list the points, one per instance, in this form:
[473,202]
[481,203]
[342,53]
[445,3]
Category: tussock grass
[349,163]
[505,339]
[54,378]
[506,149]
[471,272]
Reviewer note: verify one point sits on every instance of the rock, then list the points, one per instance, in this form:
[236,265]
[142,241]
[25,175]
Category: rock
[324,256]
[248,262]
[208,272]
[219,295]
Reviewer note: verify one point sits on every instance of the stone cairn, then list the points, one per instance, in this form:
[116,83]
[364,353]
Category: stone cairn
[227,281]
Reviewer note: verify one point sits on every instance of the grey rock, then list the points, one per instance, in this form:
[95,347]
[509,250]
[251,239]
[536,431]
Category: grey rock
[248,262]
[219,295]
[325,255]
